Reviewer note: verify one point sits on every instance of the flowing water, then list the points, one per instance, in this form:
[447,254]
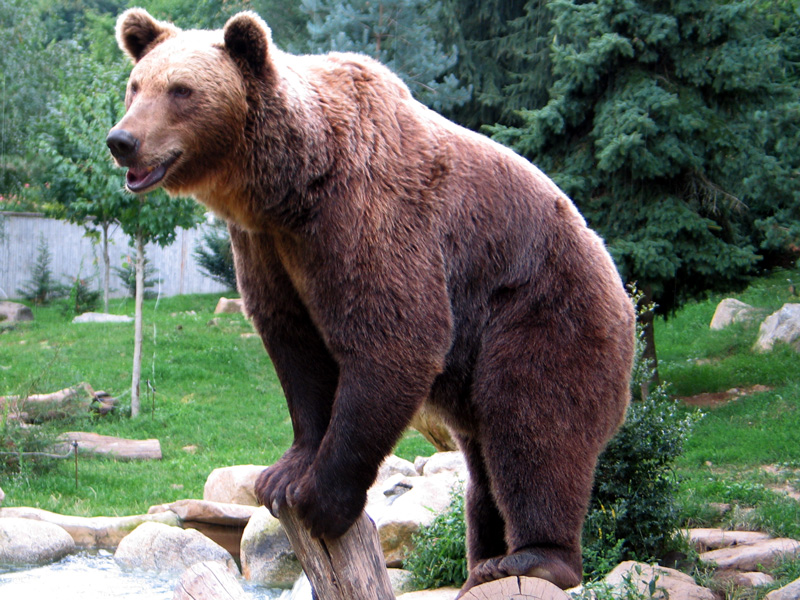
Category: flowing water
[95,576]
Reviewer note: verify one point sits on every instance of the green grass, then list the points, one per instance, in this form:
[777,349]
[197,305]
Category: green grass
[725,458]
[216,391]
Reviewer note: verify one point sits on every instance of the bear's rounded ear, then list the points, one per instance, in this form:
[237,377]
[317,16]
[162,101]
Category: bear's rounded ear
[138,32]
[248,39]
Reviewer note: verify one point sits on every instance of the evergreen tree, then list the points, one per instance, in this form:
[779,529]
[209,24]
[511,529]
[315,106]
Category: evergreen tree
[214,255]
[658,126]
[503,55]
[396,32]
[42,287]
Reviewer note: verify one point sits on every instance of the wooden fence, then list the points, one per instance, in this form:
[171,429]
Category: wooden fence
[74,254]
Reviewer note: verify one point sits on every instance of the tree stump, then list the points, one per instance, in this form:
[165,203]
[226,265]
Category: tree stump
[348,568]
[516,588]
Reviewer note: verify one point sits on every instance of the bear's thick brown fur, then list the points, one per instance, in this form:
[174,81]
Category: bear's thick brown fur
[388,258]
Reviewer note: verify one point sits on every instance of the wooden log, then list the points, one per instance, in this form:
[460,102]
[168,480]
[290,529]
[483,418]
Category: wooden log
[208,581]
[113,447]
[348,568]
[516,588]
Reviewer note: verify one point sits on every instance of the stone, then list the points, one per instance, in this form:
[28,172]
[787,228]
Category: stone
[752,579]
[229,306]
[781,326]
[789,592]
[233,485]
[450,462]
[445,593]
[266,555]
[25,542]
[169,550]
[399,514]
[94,317]
[205,511]
[752,557]
[669,583]
[731,311]
[401,580]
[91,533]
[208,581]
[705,539]
[14,312]
[393,465]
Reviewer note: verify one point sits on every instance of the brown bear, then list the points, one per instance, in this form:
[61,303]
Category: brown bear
[391,258]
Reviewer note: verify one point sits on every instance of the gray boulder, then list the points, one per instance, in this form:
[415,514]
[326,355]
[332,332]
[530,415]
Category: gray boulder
[94,317]
[731,311]
[169,550]
[13,312]
[781,326]
[266,555]
[233,485]
[752,557]
[789,592]
[668,583]
[25,542]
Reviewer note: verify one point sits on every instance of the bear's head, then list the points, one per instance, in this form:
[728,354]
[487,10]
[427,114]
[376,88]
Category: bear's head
[186,100]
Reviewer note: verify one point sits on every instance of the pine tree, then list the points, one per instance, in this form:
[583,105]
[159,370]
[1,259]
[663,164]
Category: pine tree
[658,127]
[214,255]
[42,287]
[399,34]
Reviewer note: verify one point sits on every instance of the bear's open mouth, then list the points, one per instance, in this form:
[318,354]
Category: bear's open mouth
[141,178]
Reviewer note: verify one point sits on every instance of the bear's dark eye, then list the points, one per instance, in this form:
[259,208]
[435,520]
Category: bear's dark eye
[134,89]
[181,91]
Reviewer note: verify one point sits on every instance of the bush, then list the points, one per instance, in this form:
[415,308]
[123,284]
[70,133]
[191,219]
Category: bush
[127,273]
[41,288]
[215,256]
[439,557]
[82,298]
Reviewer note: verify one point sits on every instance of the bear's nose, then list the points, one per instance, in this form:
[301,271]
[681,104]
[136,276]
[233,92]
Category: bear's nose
[122,144]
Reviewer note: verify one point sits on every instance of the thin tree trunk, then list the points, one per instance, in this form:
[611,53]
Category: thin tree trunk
[137,336]
[647,320]
[106,268]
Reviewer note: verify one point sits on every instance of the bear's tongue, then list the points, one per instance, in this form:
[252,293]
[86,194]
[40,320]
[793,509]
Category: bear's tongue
[141,178]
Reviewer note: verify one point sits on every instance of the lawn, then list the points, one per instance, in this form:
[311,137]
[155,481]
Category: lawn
[217,402]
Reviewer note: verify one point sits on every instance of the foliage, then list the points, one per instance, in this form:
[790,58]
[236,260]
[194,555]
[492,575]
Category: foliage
[214,255]
[81,298]
[22,448]
[127,273]
[503,56]
[658,125]
[400,34]
[633,510]
[439,557]
[42,287]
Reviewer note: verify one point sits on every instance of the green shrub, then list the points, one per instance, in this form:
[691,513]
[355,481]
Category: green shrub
[42,287]
[82,298]
[214,255]
[439,557]
[127,273]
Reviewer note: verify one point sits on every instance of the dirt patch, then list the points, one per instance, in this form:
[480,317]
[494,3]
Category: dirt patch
[715,399]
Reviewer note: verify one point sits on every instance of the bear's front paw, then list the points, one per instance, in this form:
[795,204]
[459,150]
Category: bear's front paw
[328,510]
[272,483]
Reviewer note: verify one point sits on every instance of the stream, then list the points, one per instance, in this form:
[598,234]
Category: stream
[96,576]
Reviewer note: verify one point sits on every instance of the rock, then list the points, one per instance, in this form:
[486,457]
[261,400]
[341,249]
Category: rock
[14,312]
[233,485]
[208,581]
[393,465]
[205,511]
[91,532]
[703,539]
[266,555]
[229,305]
[450,462]
[93,317]
[731,311]
[440,594]
[26,542]
[752,557]
[669,583]
[401,580]
[169,550]
[398,514]
[783,326]
[789,592]
[752,579]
